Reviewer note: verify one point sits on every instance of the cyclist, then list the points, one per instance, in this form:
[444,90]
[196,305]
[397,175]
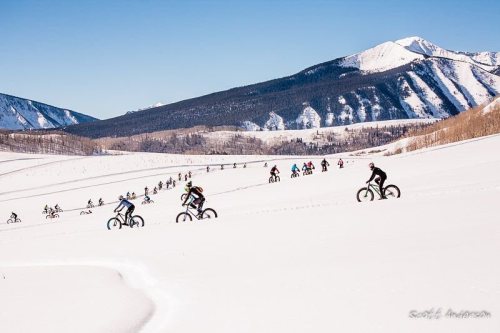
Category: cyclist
[234,165]
[90,203]
[155,190]
[125,203]
[14,216]
[57,208]
[101,202]
[189,174]
[305,168]
[222,166]
[382,176]
[324,165]
[185,177]
[274,171]
[146,190]
[310,165]
[173,183]
[340,163]
[265,165]
[208,168]
[196,192]
[244,165]
[52,212]
[160,185]
[128,195]
[147,198]
[179,176]
[133,196]
[295,169]
[46,209]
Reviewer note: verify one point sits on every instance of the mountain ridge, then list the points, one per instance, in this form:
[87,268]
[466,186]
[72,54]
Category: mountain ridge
[388,81]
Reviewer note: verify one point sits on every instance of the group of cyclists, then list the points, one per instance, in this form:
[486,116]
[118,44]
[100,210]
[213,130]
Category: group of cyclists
[195,198]
[377,174]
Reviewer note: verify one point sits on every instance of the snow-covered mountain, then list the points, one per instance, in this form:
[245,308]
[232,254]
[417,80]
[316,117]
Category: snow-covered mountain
[402,79]
[19,114]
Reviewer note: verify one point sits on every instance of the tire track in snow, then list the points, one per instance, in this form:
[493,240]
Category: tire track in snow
[41,165]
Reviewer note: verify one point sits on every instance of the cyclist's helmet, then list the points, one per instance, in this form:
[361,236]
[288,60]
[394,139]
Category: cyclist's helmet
[120,197]
[371,165]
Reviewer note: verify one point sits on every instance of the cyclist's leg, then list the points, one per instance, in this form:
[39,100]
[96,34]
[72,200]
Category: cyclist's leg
[128,213]
[381,186]
[200,206]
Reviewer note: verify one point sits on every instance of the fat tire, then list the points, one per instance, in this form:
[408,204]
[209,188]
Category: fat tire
[136,220]
[183,217]
[365,194]
[116,225]
[208,213]
[392,191]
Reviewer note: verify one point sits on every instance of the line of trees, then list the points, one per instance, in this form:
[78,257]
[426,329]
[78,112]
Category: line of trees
[34,142]
[466,125]
[239,144]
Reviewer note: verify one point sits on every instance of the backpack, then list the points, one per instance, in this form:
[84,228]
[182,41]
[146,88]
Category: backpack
[199,189]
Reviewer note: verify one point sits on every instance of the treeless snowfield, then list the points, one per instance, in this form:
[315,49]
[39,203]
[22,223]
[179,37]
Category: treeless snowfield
[301,255]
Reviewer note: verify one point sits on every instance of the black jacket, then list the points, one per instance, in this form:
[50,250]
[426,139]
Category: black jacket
[377,172]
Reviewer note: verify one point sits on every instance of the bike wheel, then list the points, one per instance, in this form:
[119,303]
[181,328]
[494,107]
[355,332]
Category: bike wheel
[183,217]
[391,192]
[18,220]
[365,194]
[209,213]
[271,179]
[136,221]
[10,221]
[114,223]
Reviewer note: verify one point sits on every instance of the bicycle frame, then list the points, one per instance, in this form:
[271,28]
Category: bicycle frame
[121,217]
[375,188]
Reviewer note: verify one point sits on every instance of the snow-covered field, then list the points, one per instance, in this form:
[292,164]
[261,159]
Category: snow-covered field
[301,255]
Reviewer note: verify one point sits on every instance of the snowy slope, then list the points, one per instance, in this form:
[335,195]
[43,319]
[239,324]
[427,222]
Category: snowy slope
[486,60]
[19,113]
[274,123]
[381,57]
[297,256]
[309,118]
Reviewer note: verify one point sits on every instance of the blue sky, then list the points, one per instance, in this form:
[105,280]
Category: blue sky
[104,58]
